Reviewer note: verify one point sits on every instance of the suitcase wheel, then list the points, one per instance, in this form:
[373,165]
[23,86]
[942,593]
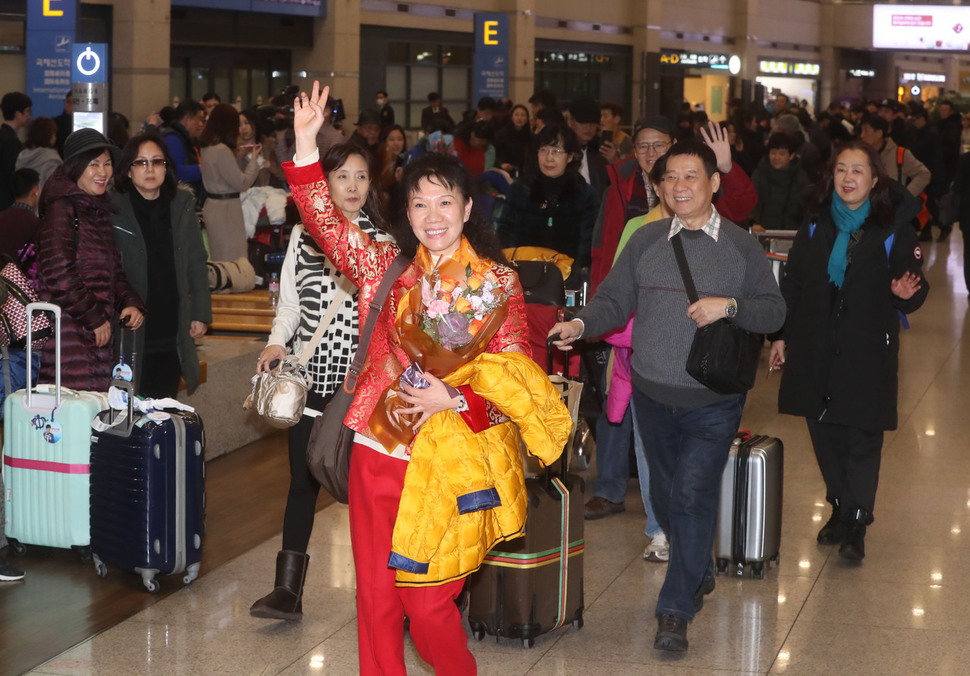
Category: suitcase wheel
[151,584]
[100,567]
[721,567]
[83,552]
[529,643]
[578,622]
[478,630]
[18,548]
[191,573]
[758,570]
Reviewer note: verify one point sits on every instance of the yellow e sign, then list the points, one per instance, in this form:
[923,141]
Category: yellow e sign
[52,12]
[490,33]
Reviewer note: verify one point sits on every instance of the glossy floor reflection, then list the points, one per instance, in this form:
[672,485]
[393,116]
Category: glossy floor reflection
[903,611]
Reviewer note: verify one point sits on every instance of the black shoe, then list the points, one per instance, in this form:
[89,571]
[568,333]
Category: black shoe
[671,634]
[854,545]
[925,235]
[945,231]
[9,573]
[833,532]
[707,586]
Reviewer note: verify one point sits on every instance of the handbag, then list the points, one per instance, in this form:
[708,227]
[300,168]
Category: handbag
[16,293]
[280,395]
[328,452]
[723,357]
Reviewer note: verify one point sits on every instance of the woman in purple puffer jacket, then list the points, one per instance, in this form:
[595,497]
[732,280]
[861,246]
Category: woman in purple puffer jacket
[79,267]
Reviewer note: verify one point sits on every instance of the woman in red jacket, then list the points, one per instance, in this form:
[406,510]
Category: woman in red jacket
[78,264]
[439,230]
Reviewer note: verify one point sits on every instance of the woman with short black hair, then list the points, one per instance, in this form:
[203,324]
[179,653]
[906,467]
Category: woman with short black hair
[157,231]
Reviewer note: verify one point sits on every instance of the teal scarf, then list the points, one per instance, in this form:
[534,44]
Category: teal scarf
[847,221]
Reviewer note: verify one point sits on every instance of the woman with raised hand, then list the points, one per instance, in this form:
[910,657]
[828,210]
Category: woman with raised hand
[309,284]
[457,301]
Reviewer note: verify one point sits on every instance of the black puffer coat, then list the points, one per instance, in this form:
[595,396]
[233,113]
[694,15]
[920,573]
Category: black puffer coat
[843,344]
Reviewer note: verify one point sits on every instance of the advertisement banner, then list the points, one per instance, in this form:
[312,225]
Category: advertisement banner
[942,27]
[50,31]
[491,55]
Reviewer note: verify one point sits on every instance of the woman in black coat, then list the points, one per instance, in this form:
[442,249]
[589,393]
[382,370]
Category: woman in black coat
[551,205]
[853,268]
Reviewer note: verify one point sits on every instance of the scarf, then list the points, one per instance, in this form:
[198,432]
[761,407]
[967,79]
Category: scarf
[847,221]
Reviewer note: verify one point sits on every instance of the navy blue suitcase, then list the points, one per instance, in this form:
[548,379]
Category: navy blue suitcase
[148,494]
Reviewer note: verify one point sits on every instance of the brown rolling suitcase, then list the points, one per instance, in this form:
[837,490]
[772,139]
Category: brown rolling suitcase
[534,584]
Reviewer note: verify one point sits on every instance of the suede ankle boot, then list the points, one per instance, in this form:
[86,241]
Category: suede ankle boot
[285,602]
[854,545]
[833,532]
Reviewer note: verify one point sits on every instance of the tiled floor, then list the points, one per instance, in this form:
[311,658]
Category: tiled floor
[903,611]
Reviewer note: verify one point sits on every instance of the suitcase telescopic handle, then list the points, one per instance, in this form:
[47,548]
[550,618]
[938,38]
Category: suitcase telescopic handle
[129,389]
[56,310]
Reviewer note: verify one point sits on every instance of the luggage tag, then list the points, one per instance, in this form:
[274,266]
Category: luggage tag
[52,431]
[121,370]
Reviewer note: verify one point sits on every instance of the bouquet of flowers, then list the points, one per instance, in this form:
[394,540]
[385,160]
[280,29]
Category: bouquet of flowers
[453,311]
[444,322]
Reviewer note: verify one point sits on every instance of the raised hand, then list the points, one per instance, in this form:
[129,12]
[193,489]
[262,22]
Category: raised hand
[906,286]
[717,139]
[308,118]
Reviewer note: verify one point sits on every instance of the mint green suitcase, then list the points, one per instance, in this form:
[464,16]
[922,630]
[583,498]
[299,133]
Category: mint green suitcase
[46,456]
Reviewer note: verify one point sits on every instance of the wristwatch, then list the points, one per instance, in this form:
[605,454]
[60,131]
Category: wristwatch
[731,311]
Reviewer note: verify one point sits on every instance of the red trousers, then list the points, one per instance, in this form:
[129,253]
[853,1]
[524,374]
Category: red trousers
[376,482]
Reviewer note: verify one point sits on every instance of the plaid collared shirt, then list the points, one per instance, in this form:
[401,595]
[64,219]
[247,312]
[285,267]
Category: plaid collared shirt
[712,227]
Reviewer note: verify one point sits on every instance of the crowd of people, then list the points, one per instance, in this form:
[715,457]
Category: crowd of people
[114,220]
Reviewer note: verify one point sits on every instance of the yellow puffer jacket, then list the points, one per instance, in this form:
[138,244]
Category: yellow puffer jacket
[464,492]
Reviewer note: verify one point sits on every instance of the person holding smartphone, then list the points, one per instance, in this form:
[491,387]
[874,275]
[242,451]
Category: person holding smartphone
[616,144]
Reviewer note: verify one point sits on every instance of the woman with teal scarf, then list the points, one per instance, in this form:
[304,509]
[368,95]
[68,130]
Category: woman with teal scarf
[854,267]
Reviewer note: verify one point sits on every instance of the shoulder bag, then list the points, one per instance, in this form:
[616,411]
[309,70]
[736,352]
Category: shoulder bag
[328,452]
[280,395]
[723,356]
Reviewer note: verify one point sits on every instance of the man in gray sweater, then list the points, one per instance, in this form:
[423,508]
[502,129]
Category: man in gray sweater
[687,428]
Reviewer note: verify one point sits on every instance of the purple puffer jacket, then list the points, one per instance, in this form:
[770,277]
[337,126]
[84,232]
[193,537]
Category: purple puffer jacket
[79,268]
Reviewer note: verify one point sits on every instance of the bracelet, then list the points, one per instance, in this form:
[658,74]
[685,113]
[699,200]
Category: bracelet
[462,404]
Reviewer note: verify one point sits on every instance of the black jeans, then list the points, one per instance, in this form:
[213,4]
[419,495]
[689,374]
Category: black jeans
[301,501]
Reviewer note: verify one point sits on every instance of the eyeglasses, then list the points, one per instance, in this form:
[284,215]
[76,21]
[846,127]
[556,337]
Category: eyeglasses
[144,164]
[551,150]
[658,147]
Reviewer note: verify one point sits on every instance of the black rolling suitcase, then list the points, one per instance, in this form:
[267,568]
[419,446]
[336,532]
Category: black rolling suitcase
[148,493]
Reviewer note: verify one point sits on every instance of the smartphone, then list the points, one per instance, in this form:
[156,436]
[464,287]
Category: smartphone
[607,136]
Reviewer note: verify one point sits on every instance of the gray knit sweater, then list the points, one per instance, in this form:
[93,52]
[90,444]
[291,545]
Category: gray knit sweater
[645,281]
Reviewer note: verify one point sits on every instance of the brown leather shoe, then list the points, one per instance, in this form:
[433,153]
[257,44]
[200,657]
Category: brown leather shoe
[597,508]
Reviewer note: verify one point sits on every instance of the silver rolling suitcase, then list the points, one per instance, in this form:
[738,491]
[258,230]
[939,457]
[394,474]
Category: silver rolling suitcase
[749,520]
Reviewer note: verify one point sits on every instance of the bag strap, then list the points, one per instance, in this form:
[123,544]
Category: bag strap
[398,266]
[7,388]
[322,327]
[684,268]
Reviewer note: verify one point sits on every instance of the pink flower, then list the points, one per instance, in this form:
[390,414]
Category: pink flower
[436,308]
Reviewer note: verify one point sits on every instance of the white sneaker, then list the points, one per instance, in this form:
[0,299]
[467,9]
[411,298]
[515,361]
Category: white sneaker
[658,550]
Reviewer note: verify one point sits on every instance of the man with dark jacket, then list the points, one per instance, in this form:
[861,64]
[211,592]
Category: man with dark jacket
[928,148]
[584,119]
[18,222]
[182,139]
[16,114]
[436,114]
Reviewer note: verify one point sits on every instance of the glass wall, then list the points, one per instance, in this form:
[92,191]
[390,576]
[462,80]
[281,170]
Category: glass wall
[410,64]
[252,76]
[571,70]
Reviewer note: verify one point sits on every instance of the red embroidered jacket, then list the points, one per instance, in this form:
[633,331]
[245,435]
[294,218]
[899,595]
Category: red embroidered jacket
[364,261]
